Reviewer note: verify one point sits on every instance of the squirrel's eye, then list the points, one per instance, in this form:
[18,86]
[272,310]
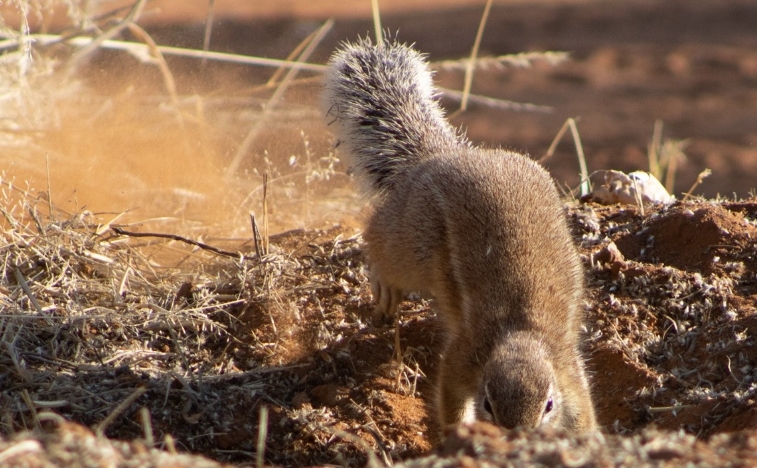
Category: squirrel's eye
[548,408]
[487,406]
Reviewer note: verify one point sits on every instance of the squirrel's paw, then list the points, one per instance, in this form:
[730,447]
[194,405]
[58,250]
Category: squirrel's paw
[387,299]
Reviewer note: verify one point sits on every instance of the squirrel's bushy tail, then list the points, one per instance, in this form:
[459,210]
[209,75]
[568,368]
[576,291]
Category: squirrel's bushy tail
[382,102]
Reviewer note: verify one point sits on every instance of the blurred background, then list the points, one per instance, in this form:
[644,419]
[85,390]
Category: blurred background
[138,128]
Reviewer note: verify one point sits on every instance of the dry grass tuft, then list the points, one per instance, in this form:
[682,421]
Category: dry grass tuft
[95,327]
[81,307]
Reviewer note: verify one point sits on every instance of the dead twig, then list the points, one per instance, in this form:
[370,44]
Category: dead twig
[201,245]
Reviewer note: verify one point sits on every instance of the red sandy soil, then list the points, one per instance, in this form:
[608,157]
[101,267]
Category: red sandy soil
[672,292]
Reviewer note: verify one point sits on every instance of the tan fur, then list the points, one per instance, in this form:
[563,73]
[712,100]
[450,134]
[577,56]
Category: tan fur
[483,231]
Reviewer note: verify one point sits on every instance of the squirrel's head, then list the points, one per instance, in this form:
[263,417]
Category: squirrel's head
[518,387]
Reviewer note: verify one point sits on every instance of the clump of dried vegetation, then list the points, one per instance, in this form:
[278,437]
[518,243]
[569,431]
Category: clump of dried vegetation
[91,324]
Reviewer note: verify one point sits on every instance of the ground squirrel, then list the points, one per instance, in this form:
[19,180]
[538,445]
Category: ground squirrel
[482,230]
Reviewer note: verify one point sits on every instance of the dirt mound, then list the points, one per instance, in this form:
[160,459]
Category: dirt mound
[484,445]
[674,306]
[689,238]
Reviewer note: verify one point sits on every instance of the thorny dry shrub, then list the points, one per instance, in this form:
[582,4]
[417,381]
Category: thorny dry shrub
[84,312]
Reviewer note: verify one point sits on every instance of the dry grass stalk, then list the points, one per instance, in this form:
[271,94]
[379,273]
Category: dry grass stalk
[664,156]
[144,419]
[262,436]
[244,147]
[25,286]
[654,149]
[672,153]
[519,60]
[256,236]
[103,425]
[700,178]
[32,408]
[473,56]
[376,15]
[494,103]
[273,81]
[49,185]
[209,18]
[142,51]
[265,214]
[585,186]
[168,78]
[131,17]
